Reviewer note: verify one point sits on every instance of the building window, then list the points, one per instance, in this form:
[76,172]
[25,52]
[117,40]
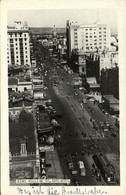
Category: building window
[90,29]
[23,148]
[17,61]
[90,36]
[25,47]
[15,39]
[26,56]
[25,39]
[26,60]
[25,43]
[11,40]
[16,48]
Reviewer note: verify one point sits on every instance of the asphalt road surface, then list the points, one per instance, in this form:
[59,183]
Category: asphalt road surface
[76,122]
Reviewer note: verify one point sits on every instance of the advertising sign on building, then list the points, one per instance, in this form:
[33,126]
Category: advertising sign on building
[43,165]
[46,148]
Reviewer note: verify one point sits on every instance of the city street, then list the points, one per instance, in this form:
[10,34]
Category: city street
[75,123]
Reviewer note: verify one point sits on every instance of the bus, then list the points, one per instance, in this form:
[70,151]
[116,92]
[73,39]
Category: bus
[82,168]
[106,168]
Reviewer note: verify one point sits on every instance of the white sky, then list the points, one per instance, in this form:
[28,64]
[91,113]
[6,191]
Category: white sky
[58,17]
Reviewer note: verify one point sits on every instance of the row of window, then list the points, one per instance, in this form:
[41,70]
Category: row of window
[12,40]
[16,61]
[90,29]
[15,35]
[96,43]
[95,47]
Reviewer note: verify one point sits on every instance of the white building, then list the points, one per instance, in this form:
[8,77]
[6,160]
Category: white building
[87,37]
[108,60]
[18,47]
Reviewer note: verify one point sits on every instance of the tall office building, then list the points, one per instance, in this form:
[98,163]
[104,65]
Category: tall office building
[18,48]
[88,38]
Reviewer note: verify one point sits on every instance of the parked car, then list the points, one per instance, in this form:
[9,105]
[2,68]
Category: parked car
[76,182]
[113,134]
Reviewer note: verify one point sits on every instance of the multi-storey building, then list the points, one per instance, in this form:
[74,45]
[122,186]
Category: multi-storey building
[18,47]
[88,38]
[108,60]
[110,82]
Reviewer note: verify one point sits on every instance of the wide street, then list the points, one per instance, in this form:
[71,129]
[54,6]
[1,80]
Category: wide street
[75,123]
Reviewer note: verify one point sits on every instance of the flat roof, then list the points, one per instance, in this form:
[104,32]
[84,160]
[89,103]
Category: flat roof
[111,99]
[12,81]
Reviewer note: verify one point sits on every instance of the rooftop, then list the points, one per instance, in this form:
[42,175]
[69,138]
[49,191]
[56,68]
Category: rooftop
[19,130]
[111,99]
[19,103]
[12,81]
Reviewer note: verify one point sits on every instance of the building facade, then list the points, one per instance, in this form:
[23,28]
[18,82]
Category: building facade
[18,47]
[89,38]
[108,60]
[110,82]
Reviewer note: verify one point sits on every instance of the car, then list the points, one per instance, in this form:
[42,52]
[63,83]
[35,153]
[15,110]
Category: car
[76,182]
[101,124]
[113,134]
[74,172]
[72,154]
[92,120]
[83,172]
[107,124]
[111,127]
[91,99]
[75,93]
[105,128]
[80,164]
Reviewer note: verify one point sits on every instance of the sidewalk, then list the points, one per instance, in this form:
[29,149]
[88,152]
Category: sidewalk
[55,171]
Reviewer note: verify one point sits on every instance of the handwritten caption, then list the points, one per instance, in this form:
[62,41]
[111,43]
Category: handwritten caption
[64,191]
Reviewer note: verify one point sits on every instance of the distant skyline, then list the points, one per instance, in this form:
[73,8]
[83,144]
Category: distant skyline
[58,17]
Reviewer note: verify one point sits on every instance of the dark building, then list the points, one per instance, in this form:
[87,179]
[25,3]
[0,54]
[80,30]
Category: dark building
[110,82]
[92,67]
[23,151]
